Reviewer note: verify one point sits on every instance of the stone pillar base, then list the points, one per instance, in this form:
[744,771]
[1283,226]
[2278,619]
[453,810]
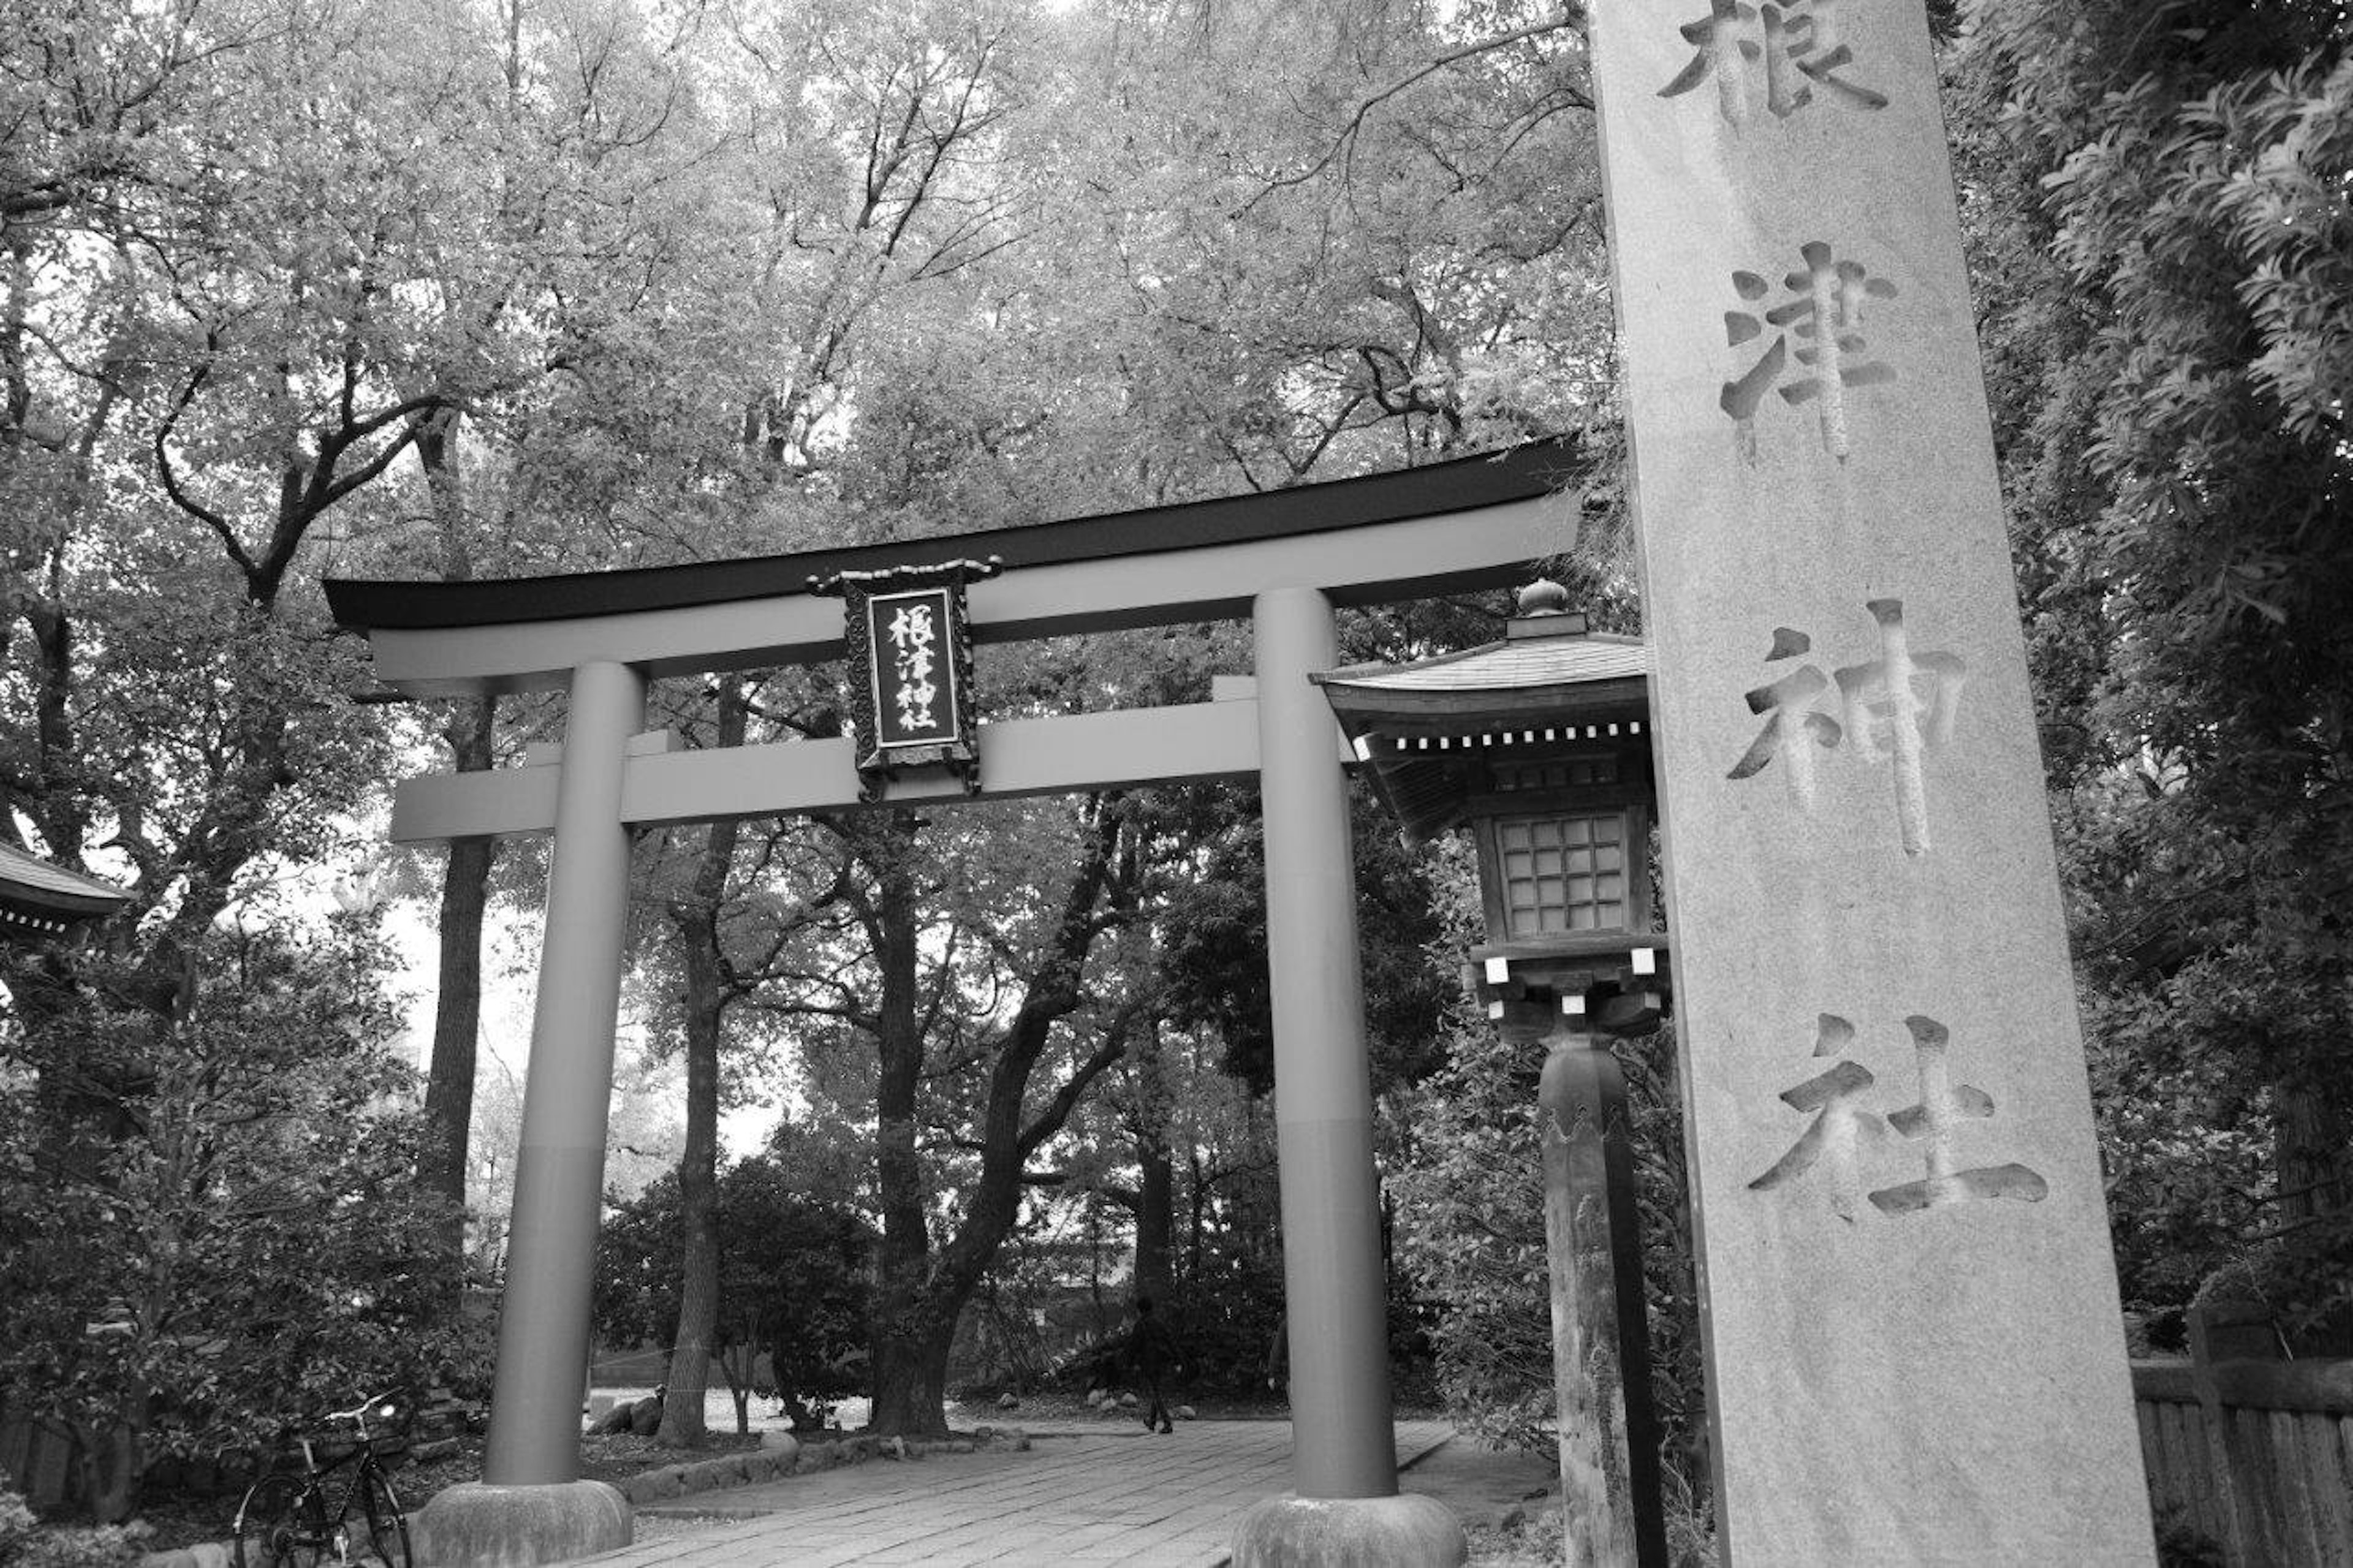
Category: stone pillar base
[474,1525]
[1404,1531]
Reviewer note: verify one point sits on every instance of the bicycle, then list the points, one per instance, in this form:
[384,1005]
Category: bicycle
[283,1520]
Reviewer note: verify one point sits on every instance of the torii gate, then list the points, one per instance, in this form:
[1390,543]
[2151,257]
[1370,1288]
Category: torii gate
[1913,1344]
[1283,560]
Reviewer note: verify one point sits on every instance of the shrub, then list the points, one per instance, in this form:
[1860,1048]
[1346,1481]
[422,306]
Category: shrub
[25,1542]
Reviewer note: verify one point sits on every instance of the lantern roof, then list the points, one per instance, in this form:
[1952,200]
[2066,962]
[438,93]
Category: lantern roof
[1427,729]
[1518,664]
[37,898]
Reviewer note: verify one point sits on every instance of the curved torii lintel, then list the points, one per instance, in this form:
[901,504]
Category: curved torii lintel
[1474,522]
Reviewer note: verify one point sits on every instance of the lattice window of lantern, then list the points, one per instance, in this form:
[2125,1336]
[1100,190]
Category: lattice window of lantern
[1560,773]
[1563,873]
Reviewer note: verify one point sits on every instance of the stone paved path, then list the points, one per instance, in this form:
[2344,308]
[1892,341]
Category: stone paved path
[1081,1496]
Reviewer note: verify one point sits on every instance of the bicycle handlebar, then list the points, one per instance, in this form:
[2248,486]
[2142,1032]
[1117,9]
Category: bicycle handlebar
[387,1399]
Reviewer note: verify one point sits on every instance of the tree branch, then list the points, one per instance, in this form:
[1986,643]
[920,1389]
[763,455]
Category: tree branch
[1345,143]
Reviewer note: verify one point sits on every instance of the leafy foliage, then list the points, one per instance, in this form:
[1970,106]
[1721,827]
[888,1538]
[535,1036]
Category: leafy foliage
[794,1282]
[254,1251]
[24,1544]
[1470,1221]
[2164,247]
[1216,951]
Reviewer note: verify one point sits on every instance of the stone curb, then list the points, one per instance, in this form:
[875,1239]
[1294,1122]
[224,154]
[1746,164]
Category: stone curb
[760,1465]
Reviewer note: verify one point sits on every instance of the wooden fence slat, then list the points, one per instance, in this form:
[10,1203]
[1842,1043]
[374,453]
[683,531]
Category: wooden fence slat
[2151,1423]
[2187,1477]
[2218,1516]
[2182,1480]
[16,1446]
[2243,1535]
[2331,1483]
[2258,1479]
[2228,1527]
[2245,1540]
[2291,1485]
[2210,1487]
[2165,1475]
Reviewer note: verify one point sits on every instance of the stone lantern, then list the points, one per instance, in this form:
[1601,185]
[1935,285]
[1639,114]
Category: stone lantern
[1539,744]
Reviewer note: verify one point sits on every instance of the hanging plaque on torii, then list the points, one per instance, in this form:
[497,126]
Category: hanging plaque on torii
[907,646]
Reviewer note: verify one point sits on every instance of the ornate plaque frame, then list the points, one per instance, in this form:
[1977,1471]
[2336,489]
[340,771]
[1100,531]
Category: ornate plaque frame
[950,736]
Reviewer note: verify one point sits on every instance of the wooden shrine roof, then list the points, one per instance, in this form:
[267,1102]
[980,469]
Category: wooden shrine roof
[41,899]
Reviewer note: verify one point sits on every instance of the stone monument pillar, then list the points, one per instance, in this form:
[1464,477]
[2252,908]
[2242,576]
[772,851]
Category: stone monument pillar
[1914,1353]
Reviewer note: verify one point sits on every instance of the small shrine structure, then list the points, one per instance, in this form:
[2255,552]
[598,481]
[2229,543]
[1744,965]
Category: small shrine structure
[1539,745]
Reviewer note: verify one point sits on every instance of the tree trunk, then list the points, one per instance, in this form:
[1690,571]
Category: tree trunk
[1156,1195]
[737,1362]
[909,1348]
[1155,1221]
[697,918]
[921,1293]
[682,1425]
[1197,1209]
[910,1384]
[2315,1156]
[465,889]
[2311,1144]
[457,1001]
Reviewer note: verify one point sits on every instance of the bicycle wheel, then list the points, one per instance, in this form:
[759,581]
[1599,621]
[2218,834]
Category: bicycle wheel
[281,1523]
[388,1528]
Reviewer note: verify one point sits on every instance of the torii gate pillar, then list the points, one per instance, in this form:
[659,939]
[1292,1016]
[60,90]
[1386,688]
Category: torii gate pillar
[560,1170]
[532,1505]
[1346,1509]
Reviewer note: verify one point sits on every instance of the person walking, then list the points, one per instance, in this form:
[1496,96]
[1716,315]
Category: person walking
[1152,1353]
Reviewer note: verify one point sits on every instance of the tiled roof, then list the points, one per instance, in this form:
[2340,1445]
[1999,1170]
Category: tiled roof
[1417,724]
[29,876]
[1507,666]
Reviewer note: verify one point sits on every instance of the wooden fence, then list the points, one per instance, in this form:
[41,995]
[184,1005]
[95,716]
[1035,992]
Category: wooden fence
[41,1460]
[2253,1452]
[58,1469]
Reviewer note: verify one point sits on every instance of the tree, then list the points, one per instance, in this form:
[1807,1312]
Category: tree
[258,1249]
[727,935]
[1216,948]
[792,1285]
[2160,250]
[960,1055]
[705,992]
